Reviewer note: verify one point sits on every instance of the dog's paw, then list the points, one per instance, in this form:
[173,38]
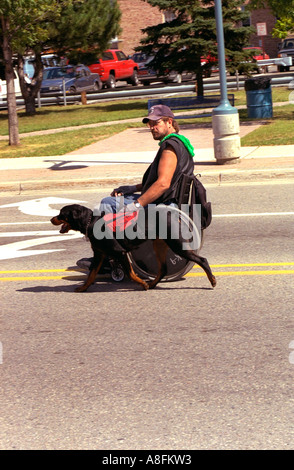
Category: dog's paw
[81,289]
[213,281]
[152,285]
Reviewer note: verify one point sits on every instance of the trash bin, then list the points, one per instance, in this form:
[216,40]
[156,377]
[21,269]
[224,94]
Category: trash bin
[259,97]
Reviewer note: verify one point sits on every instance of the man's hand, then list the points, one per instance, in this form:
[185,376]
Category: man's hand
[124,190]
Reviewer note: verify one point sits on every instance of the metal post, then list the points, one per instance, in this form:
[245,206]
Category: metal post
[225,118]
[237,80]
[39,99]
[63,90]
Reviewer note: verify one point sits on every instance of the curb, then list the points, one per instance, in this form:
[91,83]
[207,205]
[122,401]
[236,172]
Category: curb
[221,177]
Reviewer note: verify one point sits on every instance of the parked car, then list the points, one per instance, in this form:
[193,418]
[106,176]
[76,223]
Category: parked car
[286,50]
[28,67]
[209,65]
[115,65]
[3,92]
[259,53]
[147,74]
[250,65]
[75,78]
[53,60]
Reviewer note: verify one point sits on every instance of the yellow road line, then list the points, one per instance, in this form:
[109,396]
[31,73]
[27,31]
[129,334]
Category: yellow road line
[236,265]
[62,270]
[31,271]
[190,274]
[34,278]
[30,278]
[21,271]
[244,273]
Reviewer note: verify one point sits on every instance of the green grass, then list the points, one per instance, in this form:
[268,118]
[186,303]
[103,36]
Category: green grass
[59,143]
[54,117]
[278,131]
[279,95]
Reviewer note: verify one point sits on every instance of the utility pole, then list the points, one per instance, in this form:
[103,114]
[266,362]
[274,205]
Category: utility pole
[225,118]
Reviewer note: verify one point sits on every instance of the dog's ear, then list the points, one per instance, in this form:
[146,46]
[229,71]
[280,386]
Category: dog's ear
[70,212]
[64,213]
[78,212]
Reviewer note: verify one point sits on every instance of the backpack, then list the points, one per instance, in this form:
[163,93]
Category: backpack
[191,191]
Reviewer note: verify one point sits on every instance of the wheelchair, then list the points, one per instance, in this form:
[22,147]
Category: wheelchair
[143,258]
[144,261]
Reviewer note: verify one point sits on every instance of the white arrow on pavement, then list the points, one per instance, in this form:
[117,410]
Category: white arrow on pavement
[35,233]
[41,206]
[15,250]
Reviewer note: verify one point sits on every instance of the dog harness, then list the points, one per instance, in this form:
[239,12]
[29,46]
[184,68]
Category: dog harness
[120,221]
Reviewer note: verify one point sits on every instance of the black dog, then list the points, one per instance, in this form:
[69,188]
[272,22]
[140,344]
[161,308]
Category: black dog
[80,218]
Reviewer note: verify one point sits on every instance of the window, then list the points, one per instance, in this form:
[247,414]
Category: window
[247,21]
[107,55]
[288,44]
[168,16]
[121,55]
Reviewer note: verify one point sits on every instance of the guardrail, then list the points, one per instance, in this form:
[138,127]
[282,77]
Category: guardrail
[285,61]
[139,92]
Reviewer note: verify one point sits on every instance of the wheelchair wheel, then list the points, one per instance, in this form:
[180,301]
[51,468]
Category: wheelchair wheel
[118,275]
[145,264]
[144,261]
[117,272]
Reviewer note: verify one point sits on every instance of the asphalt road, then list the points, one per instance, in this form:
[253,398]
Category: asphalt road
[181,367]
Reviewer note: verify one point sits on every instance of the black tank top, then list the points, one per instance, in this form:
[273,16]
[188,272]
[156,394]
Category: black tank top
[185,165]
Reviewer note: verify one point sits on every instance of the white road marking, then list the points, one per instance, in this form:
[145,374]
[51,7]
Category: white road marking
[18,249]
[40,206]
[5,224]
[254,214]
[37,233]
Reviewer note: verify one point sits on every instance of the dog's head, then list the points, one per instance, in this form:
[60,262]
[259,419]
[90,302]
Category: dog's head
[72,217]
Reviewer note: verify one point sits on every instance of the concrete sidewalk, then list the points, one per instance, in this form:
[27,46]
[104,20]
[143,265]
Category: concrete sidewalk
[124,157]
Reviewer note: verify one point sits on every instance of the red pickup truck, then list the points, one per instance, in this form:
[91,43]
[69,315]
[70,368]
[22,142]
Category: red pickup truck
[115,65]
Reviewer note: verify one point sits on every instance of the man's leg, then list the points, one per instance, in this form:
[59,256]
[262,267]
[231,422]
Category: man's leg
[114,204]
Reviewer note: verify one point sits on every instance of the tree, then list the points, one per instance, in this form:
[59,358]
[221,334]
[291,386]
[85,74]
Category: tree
[21,27]
[9,76]
[85,29]
[183,42]
[283,10]
[82,30]
[26,26]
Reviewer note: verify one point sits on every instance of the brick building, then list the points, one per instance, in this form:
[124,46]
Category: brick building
[138,14]
[269,43]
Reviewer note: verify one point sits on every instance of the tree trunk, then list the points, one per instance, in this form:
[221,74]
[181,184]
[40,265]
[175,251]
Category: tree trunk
[29,91]
[199,82]
[199,77]
[9,76]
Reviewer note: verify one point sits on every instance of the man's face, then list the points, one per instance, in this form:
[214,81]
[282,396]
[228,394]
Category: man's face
[160,128]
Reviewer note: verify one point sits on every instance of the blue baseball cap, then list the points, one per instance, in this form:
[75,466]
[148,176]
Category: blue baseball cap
[157,112]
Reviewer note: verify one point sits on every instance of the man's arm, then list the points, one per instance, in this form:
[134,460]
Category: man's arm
[166,168]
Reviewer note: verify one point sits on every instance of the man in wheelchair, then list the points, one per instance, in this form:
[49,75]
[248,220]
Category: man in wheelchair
[160,182]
